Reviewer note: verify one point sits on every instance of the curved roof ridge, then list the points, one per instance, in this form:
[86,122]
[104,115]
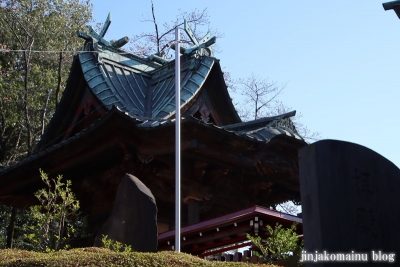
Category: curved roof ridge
[138,86]
[192,79]
[265,129]
[258,123]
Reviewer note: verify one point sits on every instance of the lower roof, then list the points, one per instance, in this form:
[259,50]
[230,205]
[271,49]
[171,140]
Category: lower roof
[228,229]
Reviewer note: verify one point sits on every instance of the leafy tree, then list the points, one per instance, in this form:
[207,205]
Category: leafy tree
[58,220]
[48,226]
[280,245]
[11,128]
[23,220]
[37,42]
[5,213]
[37,38]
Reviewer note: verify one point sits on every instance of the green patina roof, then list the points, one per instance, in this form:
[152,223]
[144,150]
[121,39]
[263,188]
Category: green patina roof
[142,87]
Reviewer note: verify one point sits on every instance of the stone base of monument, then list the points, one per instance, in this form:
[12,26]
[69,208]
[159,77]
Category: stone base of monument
[350,205]
[133,220]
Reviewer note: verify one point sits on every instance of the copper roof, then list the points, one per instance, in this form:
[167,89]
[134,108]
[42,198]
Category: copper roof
[146,92]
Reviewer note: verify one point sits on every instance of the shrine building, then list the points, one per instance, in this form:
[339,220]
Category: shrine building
[117,116]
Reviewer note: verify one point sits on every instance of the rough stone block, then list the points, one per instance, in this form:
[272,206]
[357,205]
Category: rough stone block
[133,220]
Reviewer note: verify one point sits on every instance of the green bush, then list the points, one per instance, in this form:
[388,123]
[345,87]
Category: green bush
[115,245]
[104,257]
[282,244]
[57,220]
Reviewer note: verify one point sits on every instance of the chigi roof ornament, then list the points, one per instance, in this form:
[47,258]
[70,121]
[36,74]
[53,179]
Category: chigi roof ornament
[202,47]
[99,37]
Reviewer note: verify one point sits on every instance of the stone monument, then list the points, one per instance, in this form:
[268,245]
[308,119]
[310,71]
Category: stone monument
[133,220]
[350,205]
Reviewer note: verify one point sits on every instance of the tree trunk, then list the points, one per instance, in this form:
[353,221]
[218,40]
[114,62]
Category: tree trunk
[11,227]
[45,110]
[28,124]
[59,78]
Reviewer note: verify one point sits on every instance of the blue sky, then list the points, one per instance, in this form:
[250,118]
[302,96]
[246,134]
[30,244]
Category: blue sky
[338,58]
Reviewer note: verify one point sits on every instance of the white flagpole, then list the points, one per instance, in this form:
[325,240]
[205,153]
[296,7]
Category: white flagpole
[177,143]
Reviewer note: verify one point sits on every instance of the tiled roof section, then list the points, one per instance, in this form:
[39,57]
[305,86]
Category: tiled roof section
[129,88]
[265,129]
[267,133]
[140,89]
[192,78]
[115,84]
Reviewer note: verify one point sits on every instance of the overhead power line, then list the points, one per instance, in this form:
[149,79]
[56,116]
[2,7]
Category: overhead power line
[47,51]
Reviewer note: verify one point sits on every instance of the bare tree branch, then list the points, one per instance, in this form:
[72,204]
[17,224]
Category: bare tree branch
[158,42]
[258,92]
[156,27]
[260,99]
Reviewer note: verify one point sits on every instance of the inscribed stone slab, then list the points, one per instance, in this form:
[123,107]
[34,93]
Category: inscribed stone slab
[350,200]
